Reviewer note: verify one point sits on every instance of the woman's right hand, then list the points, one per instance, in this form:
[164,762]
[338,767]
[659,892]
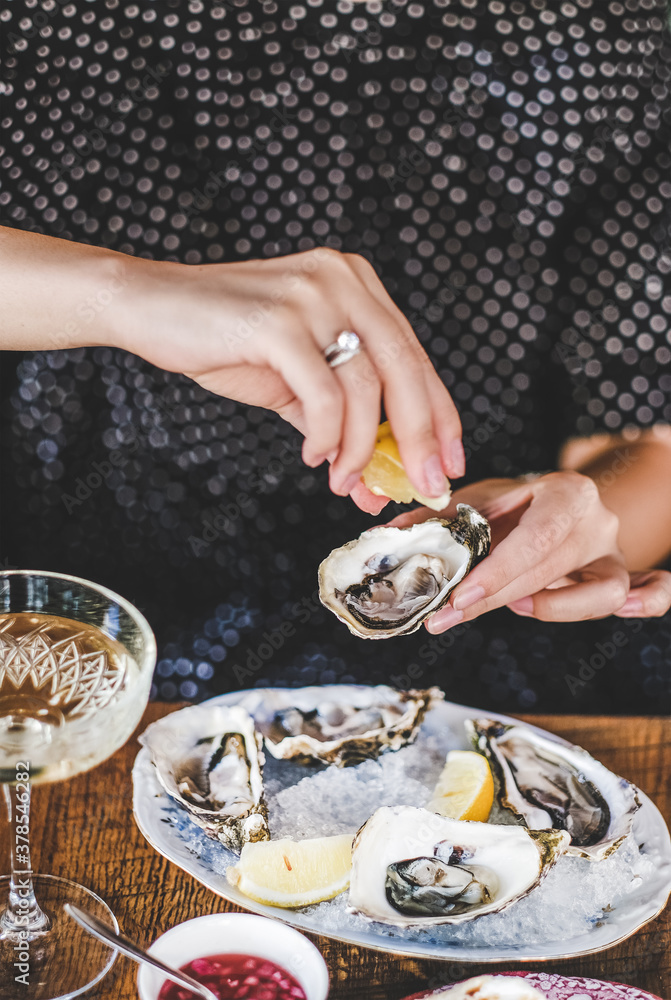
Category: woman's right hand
[256,330]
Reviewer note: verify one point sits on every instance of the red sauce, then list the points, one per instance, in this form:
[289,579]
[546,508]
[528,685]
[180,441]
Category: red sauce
[236,977]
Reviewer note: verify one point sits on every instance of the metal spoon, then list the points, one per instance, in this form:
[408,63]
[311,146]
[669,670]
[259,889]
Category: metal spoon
[99,929]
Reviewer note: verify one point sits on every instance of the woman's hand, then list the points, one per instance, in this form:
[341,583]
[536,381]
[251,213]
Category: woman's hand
[255,331]
[554,555]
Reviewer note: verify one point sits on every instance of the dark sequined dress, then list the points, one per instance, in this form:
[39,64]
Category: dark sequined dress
[506,167]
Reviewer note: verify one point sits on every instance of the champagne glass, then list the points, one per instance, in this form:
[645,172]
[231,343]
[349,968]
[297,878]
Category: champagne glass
[76,662]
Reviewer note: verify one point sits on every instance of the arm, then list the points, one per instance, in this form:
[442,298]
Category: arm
[57,294]
[254,331]
[634,480]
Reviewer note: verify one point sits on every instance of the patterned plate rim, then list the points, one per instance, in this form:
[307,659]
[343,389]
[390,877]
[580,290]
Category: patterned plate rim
[569,982]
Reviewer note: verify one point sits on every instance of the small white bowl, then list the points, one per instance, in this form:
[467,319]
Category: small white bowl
[237,934]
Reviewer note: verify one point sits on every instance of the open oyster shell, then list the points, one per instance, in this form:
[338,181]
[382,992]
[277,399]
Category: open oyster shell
[411,866]
[551,784]
[487,988]
[208,758]
[389,580]
[338,724]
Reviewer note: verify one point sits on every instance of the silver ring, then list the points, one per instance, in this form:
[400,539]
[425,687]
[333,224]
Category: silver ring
[346,347]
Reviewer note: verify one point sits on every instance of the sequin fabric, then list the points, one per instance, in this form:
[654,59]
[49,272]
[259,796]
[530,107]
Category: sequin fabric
[504,165]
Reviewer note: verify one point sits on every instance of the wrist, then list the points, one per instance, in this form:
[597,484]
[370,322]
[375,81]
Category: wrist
[103,277]
[104,315]
[136,299]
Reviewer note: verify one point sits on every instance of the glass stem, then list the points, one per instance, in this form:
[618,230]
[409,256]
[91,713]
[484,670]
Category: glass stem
[22,917]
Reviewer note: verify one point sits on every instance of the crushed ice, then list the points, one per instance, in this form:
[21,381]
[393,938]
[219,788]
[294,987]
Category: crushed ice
[315,802]
[338,800]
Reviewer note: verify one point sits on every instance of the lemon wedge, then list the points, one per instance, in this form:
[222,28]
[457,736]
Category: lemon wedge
[465,788]
[385,476]
[293,873]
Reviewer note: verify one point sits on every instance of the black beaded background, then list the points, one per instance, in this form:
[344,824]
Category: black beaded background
[505,166]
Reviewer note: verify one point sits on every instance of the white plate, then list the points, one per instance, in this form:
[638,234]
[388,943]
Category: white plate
[170,832]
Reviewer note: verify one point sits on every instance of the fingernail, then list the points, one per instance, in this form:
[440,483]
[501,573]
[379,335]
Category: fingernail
[633,605]
[468,595]
[524,606]
[347,485]
[444,619]
[434,477]
[313,462]
[372,505]
[458,463]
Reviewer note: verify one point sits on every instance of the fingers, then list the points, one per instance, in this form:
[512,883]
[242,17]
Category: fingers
[423,417]
[446,422]
[362,392]
[303,368]
[483,496]
[599,592]
[541,531]
[405,396]
[499,504]
[277,316]
[561,530]
[649,595]
[342,291]
[447,426]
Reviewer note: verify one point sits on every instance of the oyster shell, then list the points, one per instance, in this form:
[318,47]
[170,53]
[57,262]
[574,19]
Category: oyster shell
[411,866]
[389,580]
[208,758]
[338,724]
[551,784]
[488,988]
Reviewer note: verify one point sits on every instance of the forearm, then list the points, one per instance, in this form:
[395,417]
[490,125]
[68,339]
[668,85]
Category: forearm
[56,293]
[634,480]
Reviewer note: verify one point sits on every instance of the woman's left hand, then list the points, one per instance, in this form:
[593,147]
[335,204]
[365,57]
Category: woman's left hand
[554,555]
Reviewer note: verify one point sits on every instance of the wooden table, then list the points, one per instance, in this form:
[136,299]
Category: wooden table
[84,829]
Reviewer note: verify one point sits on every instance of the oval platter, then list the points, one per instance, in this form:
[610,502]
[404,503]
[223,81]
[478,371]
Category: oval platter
[169,831]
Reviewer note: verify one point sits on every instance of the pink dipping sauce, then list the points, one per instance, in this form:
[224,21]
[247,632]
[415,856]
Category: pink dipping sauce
[236,977]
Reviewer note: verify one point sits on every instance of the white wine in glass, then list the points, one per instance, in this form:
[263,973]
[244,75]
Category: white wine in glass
[76,662]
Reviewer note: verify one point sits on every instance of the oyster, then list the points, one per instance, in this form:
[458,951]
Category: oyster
[411,866]
[551,784]
[488,988]
[389,580]
[338,724]
[208,758]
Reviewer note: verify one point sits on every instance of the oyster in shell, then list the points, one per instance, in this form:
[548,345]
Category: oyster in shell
[338,724]
[389,580]
[411,866]
[208,758]
[551,784]
[488,988]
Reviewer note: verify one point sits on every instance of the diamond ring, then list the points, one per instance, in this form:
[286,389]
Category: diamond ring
[346,347]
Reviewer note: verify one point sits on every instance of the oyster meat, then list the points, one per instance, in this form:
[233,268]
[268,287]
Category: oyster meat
[551,784]
[411,866]
[389,580]
[208,758]
[338,724]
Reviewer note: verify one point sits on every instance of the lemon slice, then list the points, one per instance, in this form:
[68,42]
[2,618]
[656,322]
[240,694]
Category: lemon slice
[385,476]
[465,788]
[293,873]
